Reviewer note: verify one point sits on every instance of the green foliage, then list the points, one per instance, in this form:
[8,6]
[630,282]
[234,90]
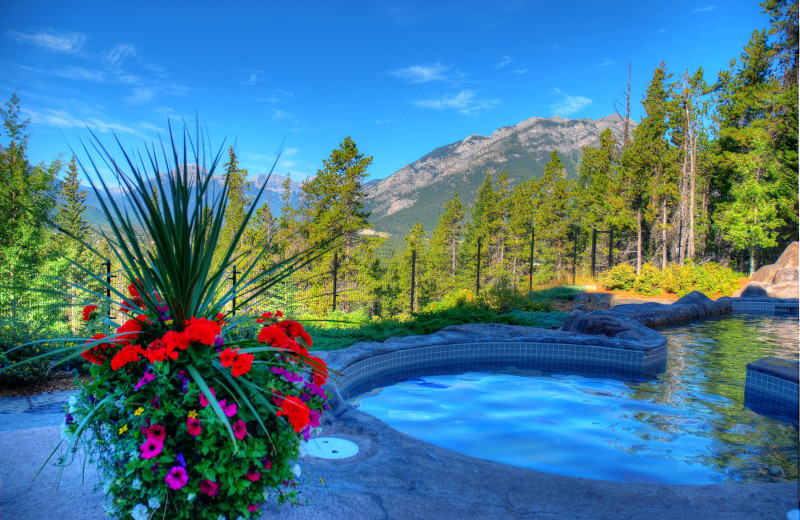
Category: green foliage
[621,276]
[25,340]
[649,280]
[710,278]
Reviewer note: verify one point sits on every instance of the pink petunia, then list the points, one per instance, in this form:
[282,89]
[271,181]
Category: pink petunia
[252,508]
[253,476]
[239,429]
[146,378]
[151,448]
[229,409]
[205,402]
[209,488]
[176,477]
[156,432]
[193,425]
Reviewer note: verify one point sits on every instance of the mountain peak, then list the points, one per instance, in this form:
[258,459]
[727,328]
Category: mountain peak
[418,191]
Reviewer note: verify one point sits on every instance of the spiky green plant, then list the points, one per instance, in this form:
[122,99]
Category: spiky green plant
[176,281]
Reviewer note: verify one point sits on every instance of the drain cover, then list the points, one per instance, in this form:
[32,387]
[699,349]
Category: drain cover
[331,448]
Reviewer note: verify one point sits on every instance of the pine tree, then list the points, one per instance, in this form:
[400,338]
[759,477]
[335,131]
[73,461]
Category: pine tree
[442,258]
[646,163]
[27,198]
[554,213]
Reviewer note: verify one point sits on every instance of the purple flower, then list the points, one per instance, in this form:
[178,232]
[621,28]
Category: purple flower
[180,460]
[219,341]
[184,380]
[69,419]
[176,477]
[146,378]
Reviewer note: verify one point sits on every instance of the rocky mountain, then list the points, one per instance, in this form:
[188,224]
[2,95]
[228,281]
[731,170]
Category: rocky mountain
[272,193]
[418,192]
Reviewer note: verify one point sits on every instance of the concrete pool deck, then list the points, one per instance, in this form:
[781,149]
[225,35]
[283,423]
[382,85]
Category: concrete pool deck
[394,476]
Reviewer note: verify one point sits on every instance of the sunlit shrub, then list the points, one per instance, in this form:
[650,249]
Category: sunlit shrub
[621,276]
[649,280]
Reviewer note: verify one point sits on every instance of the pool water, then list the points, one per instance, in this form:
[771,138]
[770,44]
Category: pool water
[688,426]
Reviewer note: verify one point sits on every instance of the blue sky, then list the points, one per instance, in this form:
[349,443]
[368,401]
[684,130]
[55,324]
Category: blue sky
[401,78]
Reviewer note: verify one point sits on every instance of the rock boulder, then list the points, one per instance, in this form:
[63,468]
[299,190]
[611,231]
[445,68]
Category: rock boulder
[778,280]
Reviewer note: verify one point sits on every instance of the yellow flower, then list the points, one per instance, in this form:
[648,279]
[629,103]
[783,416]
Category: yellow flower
[123,429]
[167,322]
[138,411]
[193,414]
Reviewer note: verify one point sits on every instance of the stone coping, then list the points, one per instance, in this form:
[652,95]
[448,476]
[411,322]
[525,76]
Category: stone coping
[691,307]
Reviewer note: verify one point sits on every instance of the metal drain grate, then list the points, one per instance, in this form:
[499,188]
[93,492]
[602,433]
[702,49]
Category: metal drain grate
[331,448]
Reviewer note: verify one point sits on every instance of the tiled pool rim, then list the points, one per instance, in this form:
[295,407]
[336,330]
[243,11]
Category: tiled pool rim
[493,347]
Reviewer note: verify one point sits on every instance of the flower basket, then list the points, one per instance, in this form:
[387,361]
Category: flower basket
[190,413]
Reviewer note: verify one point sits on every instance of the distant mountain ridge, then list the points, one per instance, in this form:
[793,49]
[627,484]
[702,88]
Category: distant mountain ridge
[418,191]
[272,193]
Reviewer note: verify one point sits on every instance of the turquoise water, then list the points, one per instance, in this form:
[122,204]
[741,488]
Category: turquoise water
[688,426]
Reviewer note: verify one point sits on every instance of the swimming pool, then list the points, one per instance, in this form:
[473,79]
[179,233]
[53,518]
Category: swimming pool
[687,426]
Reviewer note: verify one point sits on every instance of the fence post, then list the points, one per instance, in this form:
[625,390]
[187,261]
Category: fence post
[594,250]
[610,247]
[109,276]
[530,271]
[575,256]
[478,276]
[233,278]
[335,272]
[413,276]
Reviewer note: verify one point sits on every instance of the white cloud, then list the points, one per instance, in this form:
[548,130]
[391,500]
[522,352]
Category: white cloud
[65,120]
[278,96]
[70,42]
[569,104]
[520,71]
[427,73]
[704,9]
[282,114]
[661,31]
[80,73]
[465,102]
[119,53]
[141,95]
[606,63]
[507,60]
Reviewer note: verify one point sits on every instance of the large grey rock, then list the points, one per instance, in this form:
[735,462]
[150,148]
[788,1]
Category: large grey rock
[778,280]
[786,275]
[610,324]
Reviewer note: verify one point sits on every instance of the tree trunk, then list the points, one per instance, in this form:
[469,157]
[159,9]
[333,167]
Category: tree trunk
[638,241]
[692,176]
[664,233]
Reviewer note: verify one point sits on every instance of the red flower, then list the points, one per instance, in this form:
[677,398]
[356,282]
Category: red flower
[175,340]
[252,508]
[228,356]
[130,329]
[201,330]
[320,370]
[128,354]
[297,348]
[132,290]
[219,319]
[93,355]
[157,351]
[242,364]
[209,488]
[274,336]
[264,317]
[239,429]
[205,402]
[156,431]
[253,476]
[193,425]
[88,311]
[296,411]
[279,314]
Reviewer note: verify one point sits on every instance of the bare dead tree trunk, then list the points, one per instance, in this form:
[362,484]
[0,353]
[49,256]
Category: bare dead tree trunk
[627,119]
[664,255]
[692,180]
[638,241]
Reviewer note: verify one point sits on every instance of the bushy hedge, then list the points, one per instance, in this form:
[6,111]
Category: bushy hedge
[710,278]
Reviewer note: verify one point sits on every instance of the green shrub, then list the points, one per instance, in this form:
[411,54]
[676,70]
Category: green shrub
[679,279]
[714,280]
[19,333]
[649,281]
[621,276]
